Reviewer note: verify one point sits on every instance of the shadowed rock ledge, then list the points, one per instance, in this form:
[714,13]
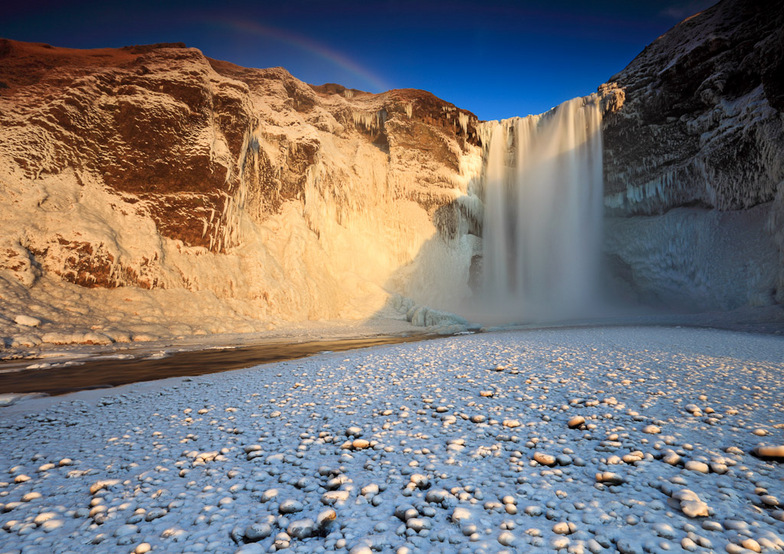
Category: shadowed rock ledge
[695,129]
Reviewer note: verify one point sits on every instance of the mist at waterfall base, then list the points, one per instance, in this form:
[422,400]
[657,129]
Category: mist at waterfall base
[542,227]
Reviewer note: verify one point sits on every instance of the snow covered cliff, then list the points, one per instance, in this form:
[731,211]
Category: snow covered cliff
[694,160]
[153,189]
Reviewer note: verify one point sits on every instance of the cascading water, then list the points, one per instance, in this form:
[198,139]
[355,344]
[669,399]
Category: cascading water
[543,213]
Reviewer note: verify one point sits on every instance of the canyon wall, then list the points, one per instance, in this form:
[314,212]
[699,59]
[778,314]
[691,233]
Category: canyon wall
[155,190]
[694,161]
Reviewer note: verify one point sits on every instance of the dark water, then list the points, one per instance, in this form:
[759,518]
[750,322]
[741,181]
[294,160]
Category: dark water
[104,373]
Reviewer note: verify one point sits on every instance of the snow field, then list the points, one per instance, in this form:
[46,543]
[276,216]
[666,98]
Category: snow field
[604,439]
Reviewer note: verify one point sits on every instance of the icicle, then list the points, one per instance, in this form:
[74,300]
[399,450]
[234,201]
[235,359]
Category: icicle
[463,119]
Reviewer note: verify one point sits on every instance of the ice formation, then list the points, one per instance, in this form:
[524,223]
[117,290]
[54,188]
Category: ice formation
[543,211]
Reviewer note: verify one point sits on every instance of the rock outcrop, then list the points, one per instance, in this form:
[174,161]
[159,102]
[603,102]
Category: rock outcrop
[695,125]
[154,167]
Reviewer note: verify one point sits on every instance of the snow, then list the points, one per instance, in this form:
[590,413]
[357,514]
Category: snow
[421,447]
[698,259]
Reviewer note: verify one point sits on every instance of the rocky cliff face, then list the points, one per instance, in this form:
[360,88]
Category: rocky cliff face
[695,125]
[268,199]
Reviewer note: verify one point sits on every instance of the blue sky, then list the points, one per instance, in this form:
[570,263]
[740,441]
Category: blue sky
[495,58]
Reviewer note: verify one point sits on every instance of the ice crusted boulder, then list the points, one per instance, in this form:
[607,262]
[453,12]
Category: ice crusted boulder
[423,316]
[694,139]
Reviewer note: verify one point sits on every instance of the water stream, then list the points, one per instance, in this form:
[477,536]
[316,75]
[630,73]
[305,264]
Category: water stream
[543,213]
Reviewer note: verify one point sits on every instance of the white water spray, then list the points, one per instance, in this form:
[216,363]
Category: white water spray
[543,213]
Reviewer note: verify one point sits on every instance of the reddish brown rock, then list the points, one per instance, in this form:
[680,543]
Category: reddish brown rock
[158,168]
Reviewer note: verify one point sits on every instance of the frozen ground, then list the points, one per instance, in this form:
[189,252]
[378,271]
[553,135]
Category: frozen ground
[627,439]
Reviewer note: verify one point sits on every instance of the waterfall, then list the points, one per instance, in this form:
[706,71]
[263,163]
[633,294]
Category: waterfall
[543,213]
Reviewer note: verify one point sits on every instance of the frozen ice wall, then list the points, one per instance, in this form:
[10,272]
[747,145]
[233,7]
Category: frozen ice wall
[543,213]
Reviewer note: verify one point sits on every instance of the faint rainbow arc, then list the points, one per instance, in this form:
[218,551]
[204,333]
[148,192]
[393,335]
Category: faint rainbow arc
[311,46]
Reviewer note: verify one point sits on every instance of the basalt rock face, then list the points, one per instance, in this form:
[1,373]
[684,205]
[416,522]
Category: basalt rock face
[695,125]
[155,167]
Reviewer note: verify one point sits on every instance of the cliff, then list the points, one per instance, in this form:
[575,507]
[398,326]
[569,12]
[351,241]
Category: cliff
[694,160]
[150,190]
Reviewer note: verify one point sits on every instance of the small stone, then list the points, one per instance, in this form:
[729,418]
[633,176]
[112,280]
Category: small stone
[609,478]
[671,457]
[564,528]
[52,525]
[775,453]
[326,518]
[460,514]
[405,512]
[664,530]
[751,544]
[651,430]
[155,513]
[290,506]
[544,459]
[369,490]
[690,503]
[360,444]
[104,484]
[42,518]
[576,422]
[688,544]
[712,526]
[700,467]
[331,498]
[301,528]
[27,321]
[418,523]
[257,531]
[421,481]
[436,496]
[125,530]
[506,538]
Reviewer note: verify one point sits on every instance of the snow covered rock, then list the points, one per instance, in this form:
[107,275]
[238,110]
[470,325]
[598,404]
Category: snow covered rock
[161,179]
[27,321]
[694,137]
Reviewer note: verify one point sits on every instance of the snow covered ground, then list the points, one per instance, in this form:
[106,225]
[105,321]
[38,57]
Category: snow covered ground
[631,439]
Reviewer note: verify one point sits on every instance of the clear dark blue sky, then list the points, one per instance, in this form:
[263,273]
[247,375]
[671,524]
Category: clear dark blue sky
[495,58]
